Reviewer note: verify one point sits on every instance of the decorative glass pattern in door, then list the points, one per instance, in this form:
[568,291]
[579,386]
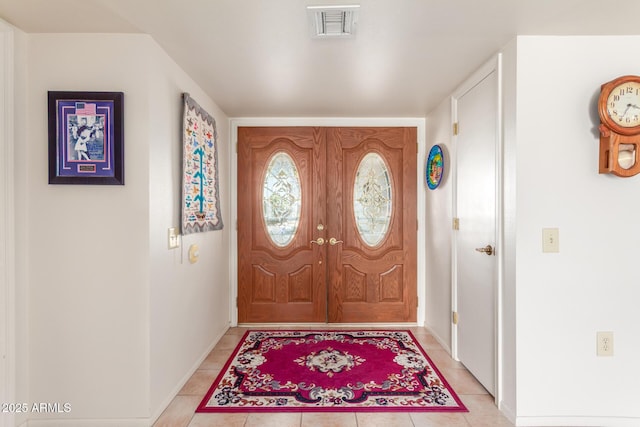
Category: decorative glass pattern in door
[372,202]
[281,199]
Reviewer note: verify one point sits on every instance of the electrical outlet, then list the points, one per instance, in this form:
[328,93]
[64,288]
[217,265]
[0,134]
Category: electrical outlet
[605,343]
[174,240]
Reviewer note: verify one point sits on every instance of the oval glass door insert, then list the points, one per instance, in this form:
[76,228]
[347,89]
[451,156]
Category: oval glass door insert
[372,199]
[281,199]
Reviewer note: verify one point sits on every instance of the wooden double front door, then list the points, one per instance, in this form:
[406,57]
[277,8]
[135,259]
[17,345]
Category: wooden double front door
[326,224]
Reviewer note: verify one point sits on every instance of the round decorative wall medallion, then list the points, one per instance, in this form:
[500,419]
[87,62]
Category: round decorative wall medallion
[435,167]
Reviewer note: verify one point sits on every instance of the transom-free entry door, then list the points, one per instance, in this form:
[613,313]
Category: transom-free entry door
[281,204]
[326,221]
[371,206]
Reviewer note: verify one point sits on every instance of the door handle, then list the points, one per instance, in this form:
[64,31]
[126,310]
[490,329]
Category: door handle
[333,241]
[487,250]
[319,241]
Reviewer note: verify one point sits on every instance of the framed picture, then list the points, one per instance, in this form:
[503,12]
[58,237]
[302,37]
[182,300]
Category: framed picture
[86,138]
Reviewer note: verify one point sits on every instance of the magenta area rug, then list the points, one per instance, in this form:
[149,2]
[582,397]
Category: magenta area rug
[314,371]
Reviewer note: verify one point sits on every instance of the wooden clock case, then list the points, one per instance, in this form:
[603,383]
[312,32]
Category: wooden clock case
[619,145]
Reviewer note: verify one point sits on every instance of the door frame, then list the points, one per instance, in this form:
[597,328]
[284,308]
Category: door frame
[418,123]
[7,222]
[491,66]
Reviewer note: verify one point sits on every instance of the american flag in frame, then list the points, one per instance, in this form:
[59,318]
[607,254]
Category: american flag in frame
[86,137]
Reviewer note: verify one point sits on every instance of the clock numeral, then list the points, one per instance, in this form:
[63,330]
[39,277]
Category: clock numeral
[616,98]
[629,89]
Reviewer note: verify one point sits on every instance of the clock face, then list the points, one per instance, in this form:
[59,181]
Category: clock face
[623,104]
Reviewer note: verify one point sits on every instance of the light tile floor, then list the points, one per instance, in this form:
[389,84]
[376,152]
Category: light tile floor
[482,411]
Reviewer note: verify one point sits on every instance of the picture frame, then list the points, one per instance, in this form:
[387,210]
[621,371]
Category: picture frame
[86,137]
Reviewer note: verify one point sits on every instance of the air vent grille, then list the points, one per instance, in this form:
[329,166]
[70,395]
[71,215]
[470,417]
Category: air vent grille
[333,21]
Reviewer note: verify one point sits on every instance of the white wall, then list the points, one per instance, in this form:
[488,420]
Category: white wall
[99,336]
[21,313]
[593,283]
[189,302]
[115,321]
[438,230]
[88,251]
[7,270]
[553,304]
[440,234]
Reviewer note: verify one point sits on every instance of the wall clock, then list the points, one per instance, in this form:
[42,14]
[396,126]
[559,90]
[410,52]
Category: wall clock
[619,110]
[435,167]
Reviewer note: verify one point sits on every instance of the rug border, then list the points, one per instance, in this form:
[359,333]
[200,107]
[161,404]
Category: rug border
[202,408]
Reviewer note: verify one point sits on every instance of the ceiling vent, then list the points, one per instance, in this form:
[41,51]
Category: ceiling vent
[333,21]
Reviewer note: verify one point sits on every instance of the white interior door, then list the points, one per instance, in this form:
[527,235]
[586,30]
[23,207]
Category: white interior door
[477,113]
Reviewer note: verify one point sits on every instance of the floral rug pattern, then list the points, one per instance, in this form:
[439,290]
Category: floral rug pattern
[352,371]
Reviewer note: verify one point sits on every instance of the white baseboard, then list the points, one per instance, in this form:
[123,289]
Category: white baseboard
[65,422]
[508,412]
[167,401]
[445,345]
[578,421]
[128,422]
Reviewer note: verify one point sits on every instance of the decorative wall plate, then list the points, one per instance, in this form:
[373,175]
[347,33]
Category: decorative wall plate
[435,167]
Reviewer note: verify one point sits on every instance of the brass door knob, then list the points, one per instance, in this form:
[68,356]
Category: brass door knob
[333,241]
[319,241]
[487,250]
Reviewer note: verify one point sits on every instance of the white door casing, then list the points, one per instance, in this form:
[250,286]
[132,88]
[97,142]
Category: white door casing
[7,241]
[477,205]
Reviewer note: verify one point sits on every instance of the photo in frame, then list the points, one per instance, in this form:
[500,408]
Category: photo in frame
[86,138]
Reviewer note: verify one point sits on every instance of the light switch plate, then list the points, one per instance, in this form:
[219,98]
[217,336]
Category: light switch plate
[550,240]
[174,240]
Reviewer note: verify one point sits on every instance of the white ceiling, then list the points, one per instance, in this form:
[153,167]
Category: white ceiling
[255,58]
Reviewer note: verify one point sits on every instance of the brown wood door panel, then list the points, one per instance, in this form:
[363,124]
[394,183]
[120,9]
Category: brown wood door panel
[372,284]
[280,284]
[346,282]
